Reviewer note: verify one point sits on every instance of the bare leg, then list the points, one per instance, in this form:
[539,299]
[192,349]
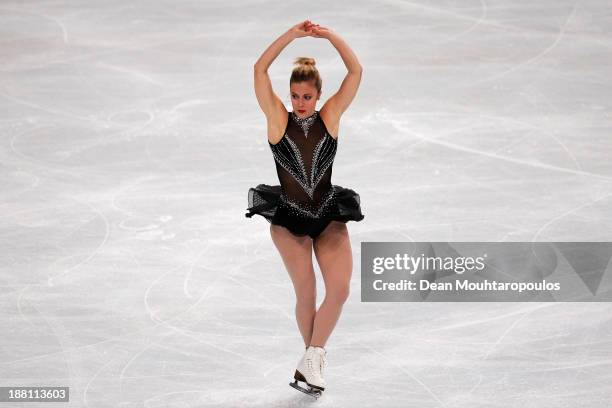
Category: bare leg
[296,253]
[333,251]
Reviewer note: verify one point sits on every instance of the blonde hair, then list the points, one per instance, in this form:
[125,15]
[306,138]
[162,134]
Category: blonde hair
[305,71]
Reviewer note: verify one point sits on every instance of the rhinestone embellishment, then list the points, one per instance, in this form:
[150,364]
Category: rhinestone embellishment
[305,123]
[304,210]
[287,154]
[325,151]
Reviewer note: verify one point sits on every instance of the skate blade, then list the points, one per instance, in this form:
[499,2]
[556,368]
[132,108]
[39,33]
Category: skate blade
[313,392]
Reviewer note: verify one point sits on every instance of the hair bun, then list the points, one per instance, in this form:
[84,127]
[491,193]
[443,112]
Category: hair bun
[305,61]
[305,71]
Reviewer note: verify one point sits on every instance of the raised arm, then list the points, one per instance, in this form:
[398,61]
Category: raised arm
[340,101]
[269,102]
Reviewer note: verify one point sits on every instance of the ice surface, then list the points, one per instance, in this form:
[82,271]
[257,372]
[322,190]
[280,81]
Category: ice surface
[130,134]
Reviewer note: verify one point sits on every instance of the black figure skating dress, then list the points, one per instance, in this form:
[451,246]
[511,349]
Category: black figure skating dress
[306,201]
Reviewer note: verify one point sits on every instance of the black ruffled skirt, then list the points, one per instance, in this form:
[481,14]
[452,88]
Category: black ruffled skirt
[266,201]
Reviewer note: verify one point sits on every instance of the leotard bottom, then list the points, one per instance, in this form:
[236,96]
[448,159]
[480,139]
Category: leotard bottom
[267,201]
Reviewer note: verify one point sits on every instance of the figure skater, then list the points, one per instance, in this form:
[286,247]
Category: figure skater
[306,211]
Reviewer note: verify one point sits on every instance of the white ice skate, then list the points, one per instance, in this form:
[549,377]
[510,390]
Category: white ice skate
[310,371]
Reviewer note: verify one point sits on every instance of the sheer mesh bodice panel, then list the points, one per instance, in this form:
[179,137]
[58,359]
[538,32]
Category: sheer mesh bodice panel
[304,158]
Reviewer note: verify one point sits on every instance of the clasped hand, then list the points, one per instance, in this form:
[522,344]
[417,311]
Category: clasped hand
[308,29]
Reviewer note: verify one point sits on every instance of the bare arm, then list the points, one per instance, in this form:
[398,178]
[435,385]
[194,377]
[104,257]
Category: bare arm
[340,101]
[346,53]
[269,102]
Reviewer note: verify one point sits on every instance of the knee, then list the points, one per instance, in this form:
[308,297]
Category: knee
[338,294]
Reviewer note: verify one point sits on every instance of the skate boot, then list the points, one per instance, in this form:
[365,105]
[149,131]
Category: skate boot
[310,371]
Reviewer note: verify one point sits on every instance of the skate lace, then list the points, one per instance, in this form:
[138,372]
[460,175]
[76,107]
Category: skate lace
[309,365]
[323,363]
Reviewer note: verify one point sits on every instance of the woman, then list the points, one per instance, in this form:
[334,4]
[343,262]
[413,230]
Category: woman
[306,211]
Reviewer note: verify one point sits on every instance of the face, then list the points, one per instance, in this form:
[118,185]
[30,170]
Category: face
[304,98]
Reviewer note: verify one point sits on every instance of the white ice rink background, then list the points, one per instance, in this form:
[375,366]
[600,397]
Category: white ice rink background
[130,134]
